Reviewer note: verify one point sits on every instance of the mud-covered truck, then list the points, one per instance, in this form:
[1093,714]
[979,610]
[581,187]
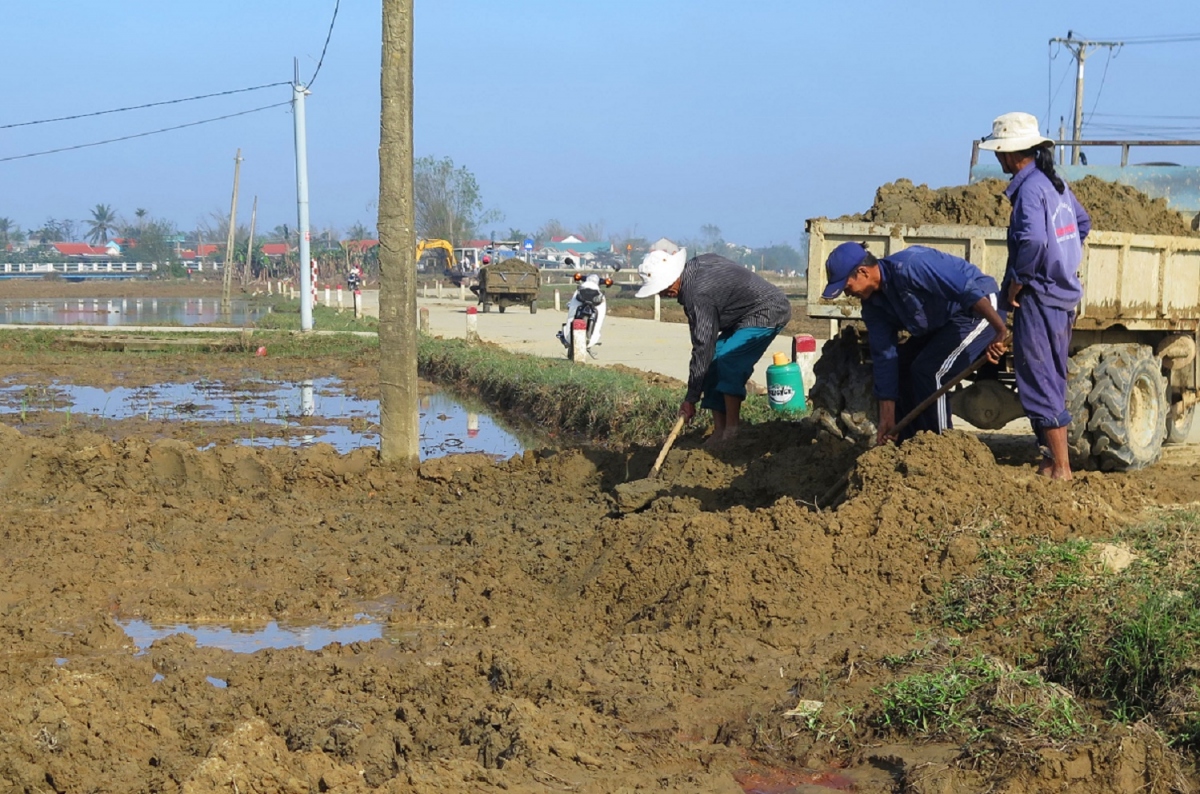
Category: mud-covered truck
[513,282]
[1133,371]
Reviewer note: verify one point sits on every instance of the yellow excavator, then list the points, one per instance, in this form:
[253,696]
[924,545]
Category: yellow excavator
[435,256]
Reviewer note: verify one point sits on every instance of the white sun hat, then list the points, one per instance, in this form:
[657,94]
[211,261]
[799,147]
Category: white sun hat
[1014,132]
[660,270]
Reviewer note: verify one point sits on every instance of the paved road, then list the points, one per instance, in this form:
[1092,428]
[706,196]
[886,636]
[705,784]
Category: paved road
[655,347]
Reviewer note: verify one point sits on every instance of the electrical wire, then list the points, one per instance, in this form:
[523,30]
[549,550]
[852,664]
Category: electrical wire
[328,36]
[1163,39]
[1100,91]
[141,107]
[143,134]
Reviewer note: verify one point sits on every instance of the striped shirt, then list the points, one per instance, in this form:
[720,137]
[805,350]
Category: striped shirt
[719,297]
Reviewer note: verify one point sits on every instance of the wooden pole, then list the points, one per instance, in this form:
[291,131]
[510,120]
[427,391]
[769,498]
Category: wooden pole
[227,271]
[399,425]
[248,270]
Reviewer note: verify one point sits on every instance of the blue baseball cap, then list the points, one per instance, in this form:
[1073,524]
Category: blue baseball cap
[841,263]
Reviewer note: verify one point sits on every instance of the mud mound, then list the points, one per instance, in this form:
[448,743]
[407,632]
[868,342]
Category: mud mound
[981,204]
[1113,207]
[1121,208]
[533,638]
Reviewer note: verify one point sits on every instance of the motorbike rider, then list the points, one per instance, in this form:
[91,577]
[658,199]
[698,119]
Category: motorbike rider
[588,292]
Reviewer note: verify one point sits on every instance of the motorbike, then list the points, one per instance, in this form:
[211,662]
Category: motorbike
[586,304]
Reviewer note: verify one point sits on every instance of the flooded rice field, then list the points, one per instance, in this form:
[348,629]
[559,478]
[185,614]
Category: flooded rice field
[260,413]
[164,311]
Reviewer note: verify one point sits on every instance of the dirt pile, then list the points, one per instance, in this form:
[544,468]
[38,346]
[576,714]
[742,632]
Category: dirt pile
[1112,207]
[533,638]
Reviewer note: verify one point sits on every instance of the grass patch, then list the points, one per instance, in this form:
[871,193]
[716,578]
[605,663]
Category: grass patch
[279,344]
[1130,640]
[285,316]
[600,403]
[968,699]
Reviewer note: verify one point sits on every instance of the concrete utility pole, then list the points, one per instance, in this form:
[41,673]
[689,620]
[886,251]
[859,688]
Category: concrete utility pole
[306,302]
[398,335]
[230,241]
[1079,48]
[248,270]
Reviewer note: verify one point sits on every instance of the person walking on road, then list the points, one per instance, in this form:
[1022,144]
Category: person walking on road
[733,316]
[1041,283]
[946,304]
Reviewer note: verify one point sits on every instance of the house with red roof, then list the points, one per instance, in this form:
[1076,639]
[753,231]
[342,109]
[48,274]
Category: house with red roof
[86,250]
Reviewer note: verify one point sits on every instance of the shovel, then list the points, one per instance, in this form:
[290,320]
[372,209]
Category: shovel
[636,494]
[837,491]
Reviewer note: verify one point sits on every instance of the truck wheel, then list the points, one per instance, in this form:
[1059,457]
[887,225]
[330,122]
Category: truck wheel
[533,307]
[843,396]
[502,307]
[1080,381]
[1128,407]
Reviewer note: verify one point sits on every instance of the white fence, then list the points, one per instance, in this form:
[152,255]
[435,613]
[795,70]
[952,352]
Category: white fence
[66,268]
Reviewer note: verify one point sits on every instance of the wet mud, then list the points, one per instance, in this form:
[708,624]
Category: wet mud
[1112,207]
[533,637]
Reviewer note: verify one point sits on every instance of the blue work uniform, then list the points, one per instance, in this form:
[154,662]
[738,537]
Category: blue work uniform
[931,295]
[1045,249]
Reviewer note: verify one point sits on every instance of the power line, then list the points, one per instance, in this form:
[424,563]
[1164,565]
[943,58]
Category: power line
[143,134]
[141,107]
[1103,77]
[328,36]
[1178,38]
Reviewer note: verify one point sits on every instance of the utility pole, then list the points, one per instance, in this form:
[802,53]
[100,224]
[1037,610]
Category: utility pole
[298,94]
[249,269]
[398,336]
[230,241]
[1079,48]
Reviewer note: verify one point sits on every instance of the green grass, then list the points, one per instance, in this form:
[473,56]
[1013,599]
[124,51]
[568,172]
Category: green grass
[967,699]
[600,403]
[278,343]
[285,315]
[1129,640]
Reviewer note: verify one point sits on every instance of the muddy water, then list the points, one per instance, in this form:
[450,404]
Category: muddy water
[128,311]
[317,410]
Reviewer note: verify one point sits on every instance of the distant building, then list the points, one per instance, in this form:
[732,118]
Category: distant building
[201,251]
[86,250]
[665,245]
[581,251]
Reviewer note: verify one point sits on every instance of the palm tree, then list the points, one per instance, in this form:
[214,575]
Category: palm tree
[9,230]
[141,216]
[103,221]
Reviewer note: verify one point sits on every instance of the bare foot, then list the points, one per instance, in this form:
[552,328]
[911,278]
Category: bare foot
[731,433]
[715,440]
[1045,467]
[1062,473]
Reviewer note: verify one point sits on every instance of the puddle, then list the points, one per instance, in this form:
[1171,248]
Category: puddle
[59,661]
[157,677]
[310,638]
[318,410]
[128,311]
[219,683]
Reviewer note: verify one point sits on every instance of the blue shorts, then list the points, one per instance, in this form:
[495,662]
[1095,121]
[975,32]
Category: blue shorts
[733,364]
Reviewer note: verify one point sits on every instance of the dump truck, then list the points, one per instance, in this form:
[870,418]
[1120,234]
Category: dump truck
[512,282]
[1133,370]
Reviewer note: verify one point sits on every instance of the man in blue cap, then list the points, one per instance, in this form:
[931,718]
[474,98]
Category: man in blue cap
[944,303]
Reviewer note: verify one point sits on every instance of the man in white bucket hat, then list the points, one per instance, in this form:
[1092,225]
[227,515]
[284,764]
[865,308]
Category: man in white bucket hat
[733,315]
[1041,283]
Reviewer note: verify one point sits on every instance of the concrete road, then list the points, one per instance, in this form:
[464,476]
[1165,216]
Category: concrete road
[655,347]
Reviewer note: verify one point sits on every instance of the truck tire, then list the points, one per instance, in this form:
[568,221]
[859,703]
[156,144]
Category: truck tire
[1080,381]
[1127,408]
[843,394]
[502,307]
[533,307]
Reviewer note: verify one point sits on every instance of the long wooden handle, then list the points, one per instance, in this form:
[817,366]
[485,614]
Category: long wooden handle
[931,399]
[666,447]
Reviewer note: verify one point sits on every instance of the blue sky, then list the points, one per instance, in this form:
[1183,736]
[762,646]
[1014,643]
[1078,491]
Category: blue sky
[654,116]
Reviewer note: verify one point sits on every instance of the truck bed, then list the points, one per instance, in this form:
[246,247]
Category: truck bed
[1137,281]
